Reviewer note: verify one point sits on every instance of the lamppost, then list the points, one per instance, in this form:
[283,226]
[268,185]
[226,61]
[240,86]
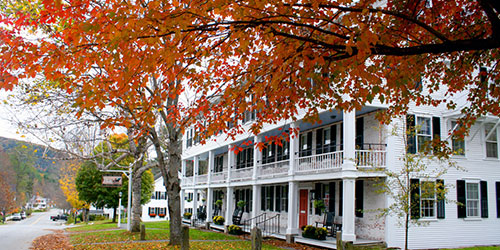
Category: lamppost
[119,209]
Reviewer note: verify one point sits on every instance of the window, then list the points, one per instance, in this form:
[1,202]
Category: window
[283,151]
[274,198]
[420,132]
[457,143]
[424,135]
[246,196]
[219,163]
[472,198]
[189,138]
[427,199]
[244,158]
[491,140]
[305,142]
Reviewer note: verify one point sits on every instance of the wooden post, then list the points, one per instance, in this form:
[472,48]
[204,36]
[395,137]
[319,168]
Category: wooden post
[185,237]
[339,240]
[256,234]
[143,232]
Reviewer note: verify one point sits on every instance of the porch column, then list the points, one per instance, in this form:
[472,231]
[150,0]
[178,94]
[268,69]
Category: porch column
[196,164]
[230,162]
[349,140]
[293,205]
[183,169]
[182,194]
[256,201]
[293,149]
[209,204]
[229,205]
[257,157]
[195,205]
[349,175]
[211,157]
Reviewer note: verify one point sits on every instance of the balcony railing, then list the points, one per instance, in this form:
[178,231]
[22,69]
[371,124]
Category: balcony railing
[321,162]
[202,179]
[219,177]
[242,174]
[188,181]
[371,158]
[274,169]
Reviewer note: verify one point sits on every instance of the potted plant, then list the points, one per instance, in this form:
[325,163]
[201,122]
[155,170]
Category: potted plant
[319,204]
[241,204]
[187,215]
[234,230]
[218,203]
[218,220]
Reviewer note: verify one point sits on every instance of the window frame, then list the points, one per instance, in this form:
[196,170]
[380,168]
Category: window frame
[470,200]
[418,134]
[492,139]
[432,200]
[461,149]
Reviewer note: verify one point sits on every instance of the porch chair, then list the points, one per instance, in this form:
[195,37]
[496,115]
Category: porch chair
[328,223]
[238,213]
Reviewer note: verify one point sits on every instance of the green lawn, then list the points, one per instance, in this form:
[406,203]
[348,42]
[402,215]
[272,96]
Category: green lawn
[99,232]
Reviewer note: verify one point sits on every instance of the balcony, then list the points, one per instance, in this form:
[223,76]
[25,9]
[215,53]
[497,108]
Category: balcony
[242,174]
[319,163]
[202,179]
[219,177]
[274,169]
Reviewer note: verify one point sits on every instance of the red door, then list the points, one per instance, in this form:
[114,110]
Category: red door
[303,207]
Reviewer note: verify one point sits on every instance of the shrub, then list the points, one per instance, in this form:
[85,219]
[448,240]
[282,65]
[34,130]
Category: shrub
[321,233]
[187,215]
[96,217]
[218,220]
[235,230]
[309,232]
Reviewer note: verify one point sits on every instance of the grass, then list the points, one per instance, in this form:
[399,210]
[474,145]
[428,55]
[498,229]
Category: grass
[99,232]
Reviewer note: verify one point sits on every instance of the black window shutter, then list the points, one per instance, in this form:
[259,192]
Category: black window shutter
[309,142]
[484,199]
[358,205]
[436,127]
[331,203]
[359,132]
[342,136]
[319,141]
[497,184]
[262,198]
[415,198]
[440,199]
[278,198]
[461,206]
[333,138]
[341,197]
[317,196]
[410,134]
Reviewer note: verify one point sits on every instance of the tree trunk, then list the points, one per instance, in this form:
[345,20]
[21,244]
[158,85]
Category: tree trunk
[136,201]
[173,187]
[114,215]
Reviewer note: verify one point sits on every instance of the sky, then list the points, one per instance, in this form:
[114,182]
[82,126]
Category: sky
[7,129]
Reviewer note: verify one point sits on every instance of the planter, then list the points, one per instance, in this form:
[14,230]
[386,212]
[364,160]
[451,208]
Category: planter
[161,215]
[152,215]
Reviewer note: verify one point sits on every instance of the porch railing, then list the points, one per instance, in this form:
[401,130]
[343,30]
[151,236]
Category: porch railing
[242,174]
[219,177]
[268,225]
[371,158]
[274,169]
[326,161]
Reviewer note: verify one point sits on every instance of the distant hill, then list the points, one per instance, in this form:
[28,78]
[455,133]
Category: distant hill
[30,172]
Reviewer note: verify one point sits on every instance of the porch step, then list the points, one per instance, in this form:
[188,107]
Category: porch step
[326,244]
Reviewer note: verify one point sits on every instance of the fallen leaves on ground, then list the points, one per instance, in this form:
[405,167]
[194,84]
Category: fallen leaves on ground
[54,241]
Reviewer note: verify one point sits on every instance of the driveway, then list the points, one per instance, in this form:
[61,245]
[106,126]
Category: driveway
[19,234]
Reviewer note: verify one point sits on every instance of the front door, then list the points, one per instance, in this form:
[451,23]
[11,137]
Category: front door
[303,207]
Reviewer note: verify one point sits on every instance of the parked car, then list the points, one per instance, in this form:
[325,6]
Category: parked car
[59,217]
[23,215]
[16,216]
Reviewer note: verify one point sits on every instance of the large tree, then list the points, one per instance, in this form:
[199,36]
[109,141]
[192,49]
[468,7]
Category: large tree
[288,56]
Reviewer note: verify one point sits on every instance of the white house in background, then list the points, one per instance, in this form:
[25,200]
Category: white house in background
[38,202]
[327,162]
[157,208]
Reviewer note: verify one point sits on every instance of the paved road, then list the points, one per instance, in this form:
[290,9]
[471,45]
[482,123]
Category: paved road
[18,235]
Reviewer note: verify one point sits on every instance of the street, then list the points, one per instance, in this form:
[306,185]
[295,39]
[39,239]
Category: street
[18,235]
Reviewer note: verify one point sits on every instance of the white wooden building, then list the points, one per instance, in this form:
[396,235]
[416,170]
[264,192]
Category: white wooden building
[329,162]
[157,208]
